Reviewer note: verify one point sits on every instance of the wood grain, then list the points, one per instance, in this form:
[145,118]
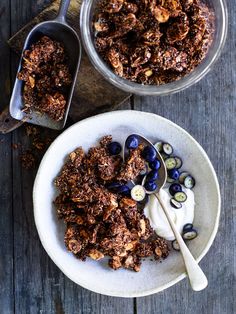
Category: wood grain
[207,110]
[6,221]
[40,287]
[31,283]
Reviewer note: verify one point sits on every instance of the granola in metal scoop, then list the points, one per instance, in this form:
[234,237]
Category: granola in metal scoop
[153,41]
[100,222]
[47,77]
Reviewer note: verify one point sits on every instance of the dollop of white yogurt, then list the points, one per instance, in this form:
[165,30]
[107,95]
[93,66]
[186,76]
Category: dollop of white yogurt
[181,216]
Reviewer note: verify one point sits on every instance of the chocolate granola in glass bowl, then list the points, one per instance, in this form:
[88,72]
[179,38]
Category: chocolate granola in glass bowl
[153,42]
[153,47]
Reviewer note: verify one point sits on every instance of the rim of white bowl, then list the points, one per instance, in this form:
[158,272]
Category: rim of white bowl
[140,293]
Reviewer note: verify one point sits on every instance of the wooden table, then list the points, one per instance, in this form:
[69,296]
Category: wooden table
[30,282]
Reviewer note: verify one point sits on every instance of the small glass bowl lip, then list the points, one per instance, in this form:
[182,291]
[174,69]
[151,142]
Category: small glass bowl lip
[139,89]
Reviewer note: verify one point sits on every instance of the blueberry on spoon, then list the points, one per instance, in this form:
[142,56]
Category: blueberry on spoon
[132,142]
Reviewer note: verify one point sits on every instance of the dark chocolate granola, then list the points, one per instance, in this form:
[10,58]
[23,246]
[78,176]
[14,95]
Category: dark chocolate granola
[98,222]
[153,41]
[46,78]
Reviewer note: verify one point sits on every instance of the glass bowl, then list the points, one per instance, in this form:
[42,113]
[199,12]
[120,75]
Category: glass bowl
[86,16]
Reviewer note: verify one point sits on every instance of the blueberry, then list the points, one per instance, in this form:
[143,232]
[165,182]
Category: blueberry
[153,175]
[155,164]
[190,234]
[123,190]
[119,188]
[167,148]
[175,245]
[132,142]
[180,197]
[187,227]
[189,182]
[175,204]
[114,185]
[174,188]
[150,186]
[173,174]
[149,153]
[114,148]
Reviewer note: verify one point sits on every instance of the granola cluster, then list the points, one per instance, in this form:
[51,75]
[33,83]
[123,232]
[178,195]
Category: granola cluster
[153,41]
[46,78]
[99,222]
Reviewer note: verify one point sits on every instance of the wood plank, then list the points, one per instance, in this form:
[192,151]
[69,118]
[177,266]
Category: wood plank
[40,287]
[207,110]
[6,227]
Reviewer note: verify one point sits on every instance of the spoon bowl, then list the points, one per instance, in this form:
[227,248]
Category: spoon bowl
[162,172]
[196,276]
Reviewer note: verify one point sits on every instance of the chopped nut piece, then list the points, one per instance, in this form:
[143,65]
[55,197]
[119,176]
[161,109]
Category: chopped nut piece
[148,73]
[72,156]
[32,81]
[129,261]
[74,246]
[95,254]
[129,246]
[142,226]
[102,24]
[158,252]
[161,14]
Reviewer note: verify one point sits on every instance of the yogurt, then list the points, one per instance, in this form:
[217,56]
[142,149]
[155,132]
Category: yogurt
[182,216]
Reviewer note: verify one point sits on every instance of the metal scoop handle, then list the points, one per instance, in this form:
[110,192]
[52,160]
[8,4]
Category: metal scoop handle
[61,17]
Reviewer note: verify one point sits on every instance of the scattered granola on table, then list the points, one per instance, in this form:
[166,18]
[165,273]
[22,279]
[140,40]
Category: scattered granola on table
[100,222]
[32,149]
[27,159]
[153,41]
[47,78]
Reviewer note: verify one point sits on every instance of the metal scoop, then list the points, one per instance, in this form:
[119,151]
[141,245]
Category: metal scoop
[196,276]
[59,30]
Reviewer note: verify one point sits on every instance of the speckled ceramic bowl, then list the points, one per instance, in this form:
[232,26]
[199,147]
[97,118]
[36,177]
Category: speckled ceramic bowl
[96,276]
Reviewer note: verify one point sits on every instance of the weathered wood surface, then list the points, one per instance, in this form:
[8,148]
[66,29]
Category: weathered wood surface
[31,283]
[207,110]
[6,217]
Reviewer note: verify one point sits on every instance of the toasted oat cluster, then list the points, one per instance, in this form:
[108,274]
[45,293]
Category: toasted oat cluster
[99,222]
[46,78]
[153,41]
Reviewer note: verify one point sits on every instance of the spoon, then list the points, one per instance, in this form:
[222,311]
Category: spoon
[197,278]
[59,30]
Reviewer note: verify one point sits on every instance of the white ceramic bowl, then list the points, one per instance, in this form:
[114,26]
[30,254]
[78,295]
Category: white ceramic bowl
[96,276]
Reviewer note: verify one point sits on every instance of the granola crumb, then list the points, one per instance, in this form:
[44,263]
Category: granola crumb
[15,145]
[27,160]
